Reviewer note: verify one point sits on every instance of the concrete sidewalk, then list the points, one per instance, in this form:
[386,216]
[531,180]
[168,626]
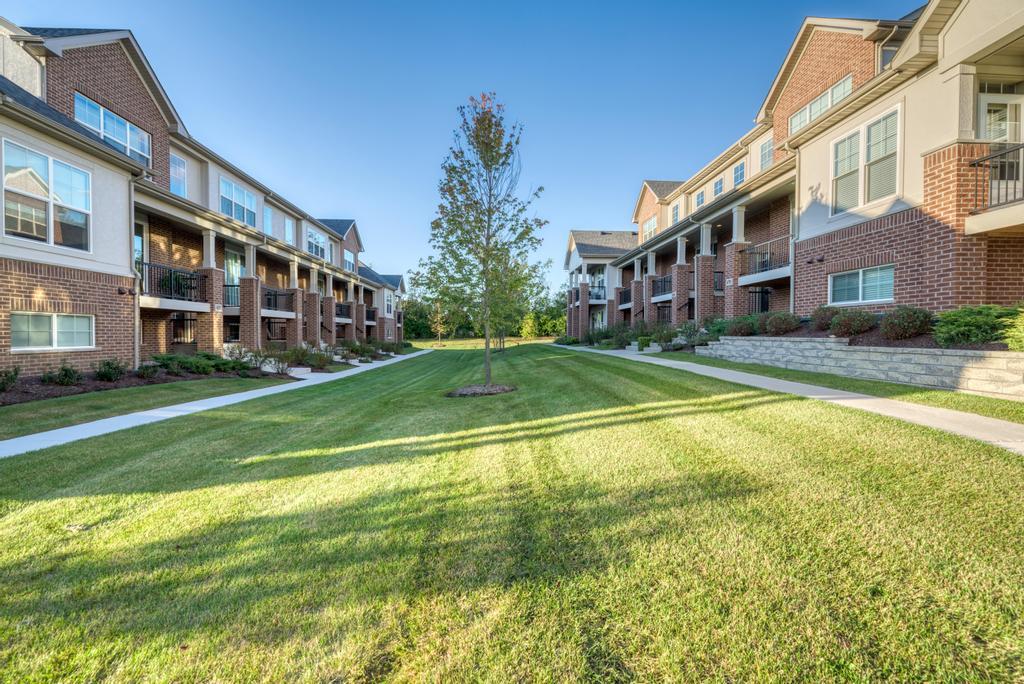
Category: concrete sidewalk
[1001,433]
[73,433]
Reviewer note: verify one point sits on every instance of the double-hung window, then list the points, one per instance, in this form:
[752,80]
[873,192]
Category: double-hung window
[821,104]
[865,286]
[44,331]
[739,173]
[699,201]
[871,153]
[389,302]
[767,154]
[649,227]
[45,199]
[237,202]
[268,220]
[846,174]
[675,213]
[316,244]
[120,134]
[350,261]
[289,230]
[880,157]
[179,176]
[719,186]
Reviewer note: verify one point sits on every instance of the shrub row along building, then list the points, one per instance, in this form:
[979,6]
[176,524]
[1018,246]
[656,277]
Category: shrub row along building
[124,236]
[884,168]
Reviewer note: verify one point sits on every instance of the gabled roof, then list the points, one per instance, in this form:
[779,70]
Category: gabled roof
[392,281]
[600,243]
[66,32]
[662,188]
[369,274]
[341,228]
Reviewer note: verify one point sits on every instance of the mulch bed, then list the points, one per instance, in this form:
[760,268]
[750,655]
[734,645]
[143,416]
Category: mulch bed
[480,390]
[31,388]
[874,338]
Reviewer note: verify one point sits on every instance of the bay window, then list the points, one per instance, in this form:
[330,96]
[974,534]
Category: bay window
[864,286]
[237,202]
[46,200]
[123,136]
[44,331]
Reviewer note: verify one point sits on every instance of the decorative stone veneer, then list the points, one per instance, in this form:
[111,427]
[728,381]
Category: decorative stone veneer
[996,374]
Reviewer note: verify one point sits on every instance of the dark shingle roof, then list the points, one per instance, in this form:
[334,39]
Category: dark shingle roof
[662,188]
[392,281]
[65,32]
[603,242]
[370,274]
[338,226]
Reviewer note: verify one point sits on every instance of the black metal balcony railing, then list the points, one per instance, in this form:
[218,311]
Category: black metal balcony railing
[276,329]
[999,177]
[576,294]
[343,310]
[664,314]
[371,314]
[231,295]
[400,317]
[662,285]
[278,300]
[598,292]
[171,283]
[626,296]
[768,256]
[760,299]
[719,280]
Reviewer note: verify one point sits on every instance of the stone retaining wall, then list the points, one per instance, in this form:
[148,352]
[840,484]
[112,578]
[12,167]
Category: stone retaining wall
[996,374]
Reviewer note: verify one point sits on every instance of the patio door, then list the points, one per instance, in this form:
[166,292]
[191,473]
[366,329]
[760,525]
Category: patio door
[1000,120]
[234,269]
[1000,124]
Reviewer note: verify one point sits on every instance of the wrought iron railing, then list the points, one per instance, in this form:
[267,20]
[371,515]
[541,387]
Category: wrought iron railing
[626,296]
[576,295]
[231,295]
[276,329]
[343,310]
[760,299]
[999,177]
[278,300]
[171,283]
[719,280]
[371,315]
[664,314]
[662,285]
[598,292]
[768,256]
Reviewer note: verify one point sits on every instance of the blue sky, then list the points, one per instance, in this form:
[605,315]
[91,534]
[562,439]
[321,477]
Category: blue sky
[347,108]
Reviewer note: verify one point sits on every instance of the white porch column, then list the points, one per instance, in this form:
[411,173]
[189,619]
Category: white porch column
[966,87]
[739,215]
[293,274]
[329,284]
[314,276]
[652,267]
[250,260]
[637,269]
[583,274]
[680,250]
[209,249]
[350,291]
[705,239]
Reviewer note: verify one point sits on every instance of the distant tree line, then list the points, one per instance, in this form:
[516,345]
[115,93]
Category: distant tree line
[542,316]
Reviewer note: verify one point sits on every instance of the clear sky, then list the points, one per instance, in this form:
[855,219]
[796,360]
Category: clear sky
[347,108]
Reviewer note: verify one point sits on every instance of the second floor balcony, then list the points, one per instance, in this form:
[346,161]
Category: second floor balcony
[998,177]
[166,282]
[371,315]
[625,296]
[598,293]
[768,256]
[662,285]
[278,300]
[343,310]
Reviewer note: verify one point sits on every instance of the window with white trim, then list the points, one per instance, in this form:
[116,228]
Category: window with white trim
[268,219]
[316,244]
[46,200]
[767,154]
[120,134]
[389,302]
[872,153]
[44,331]
[350,261]
[179,176]
[699,200]
[675,213]
[237,202]
[649,227]
[719,186]
[739,173]
[289,230]
[865,286]
[821,104]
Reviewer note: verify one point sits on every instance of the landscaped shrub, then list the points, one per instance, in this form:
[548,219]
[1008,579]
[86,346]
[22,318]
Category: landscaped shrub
[973,325]
[662,334]
[173,368]
[851,322]
[714,328]
[643,342]
[620,340]
[221,364]
[1014,333]
[8,378]
[743,326]
[780,323]
[905,322]
[821,318]
[320,360]
[147,371]
[566,339]
[110,370]
[689,332]
[298,356]
[762,321]
[65,375]
[278,361]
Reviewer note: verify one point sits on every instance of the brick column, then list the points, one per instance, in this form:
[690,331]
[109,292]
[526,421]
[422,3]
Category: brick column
[327,328]
[250,301]
[737,303]
[637,305]
[650,312]
[704,267]
[312,309]
[359,321]
[377,331]
[584,309]
[614,315]
[293,326]
[210,326]
[680,292]
[350,328]
[568,312]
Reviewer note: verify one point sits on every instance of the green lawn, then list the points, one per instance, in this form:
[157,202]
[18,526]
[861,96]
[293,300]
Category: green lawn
[49,414]
[610,520]
[1005,409]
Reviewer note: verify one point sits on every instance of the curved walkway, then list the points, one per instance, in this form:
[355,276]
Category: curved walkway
[1001,433]
[73,433]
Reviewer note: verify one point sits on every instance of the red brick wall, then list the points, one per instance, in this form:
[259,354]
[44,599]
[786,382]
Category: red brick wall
[30,287]
[648,208]
[104,74]
[828,57]
[271,272]
[769,224]
[1005,271]
[171,245]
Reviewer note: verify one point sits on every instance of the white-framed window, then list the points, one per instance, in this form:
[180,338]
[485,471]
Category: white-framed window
[739,173]
[120,134]
[864,286]
[718,187]
[871,152]
[699,201]
[46,200]
[389,302]
[675,213]
[289,230]
[821,104]
[350,261]
[268,219]
[45,331]
[649,226]
[237,202]
[316,244]
[179,176]
[767,154]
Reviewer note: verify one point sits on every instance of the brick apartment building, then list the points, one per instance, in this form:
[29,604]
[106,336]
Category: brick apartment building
[124,236]
[885,167]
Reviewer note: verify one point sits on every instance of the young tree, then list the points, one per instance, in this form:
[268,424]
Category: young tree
[482,236]
[438,324]
[529,327]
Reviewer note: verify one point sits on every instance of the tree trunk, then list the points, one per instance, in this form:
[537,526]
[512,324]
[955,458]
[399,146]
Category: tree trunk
[487,353]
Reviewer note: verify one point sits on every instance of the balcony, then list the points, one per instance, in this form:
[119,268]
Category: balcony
[343,310]
[625,297]
[576,295]
[231,295]
[998,177]
[164,282]
[661,286]
[598,293]
[278,300]
[371,316]
[719,281]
